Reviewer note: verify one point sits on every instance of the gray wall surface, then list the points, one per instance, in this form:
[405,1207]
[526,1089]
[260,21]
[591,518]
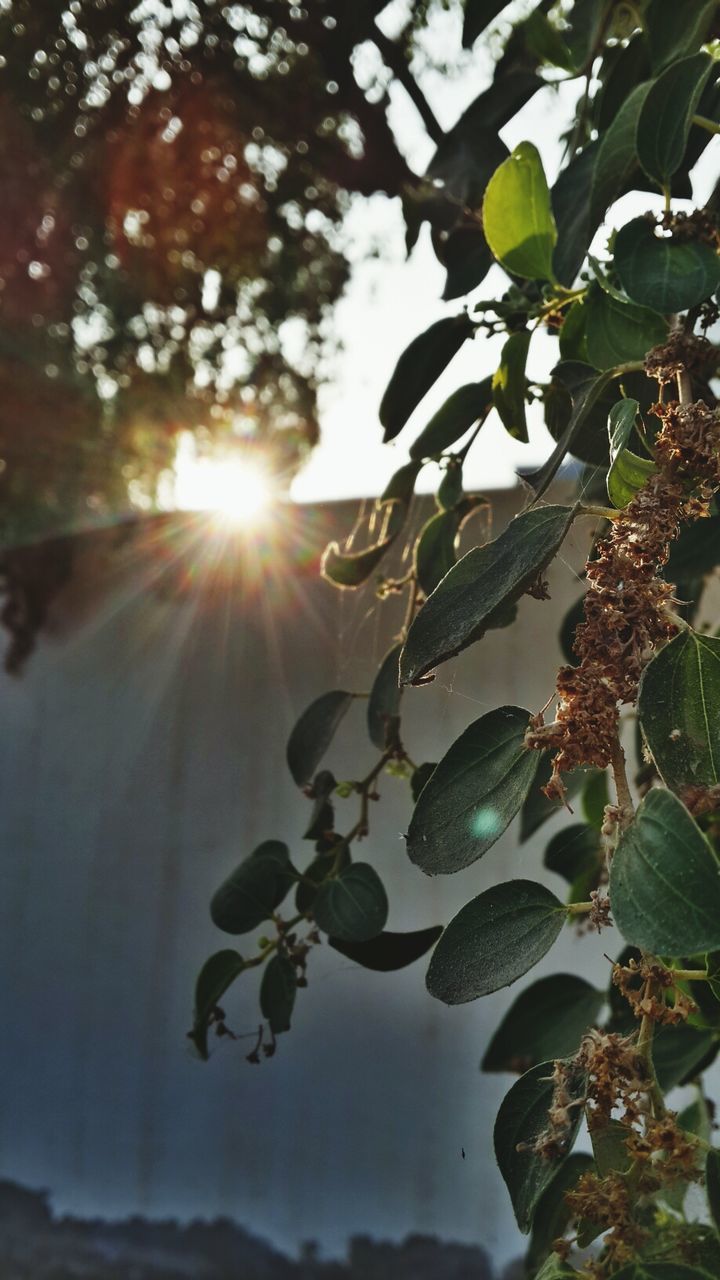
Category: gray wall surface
[142,755]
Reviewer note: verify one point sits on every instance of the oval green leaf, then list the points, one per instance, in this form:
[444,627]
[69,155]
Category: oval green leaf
[552,1214]
[509,385]
[389,951]
[383,709]
[616,156]
[679,708]
[664,274]
[517,215]
[676,29]
[617,331]
[253,890]
[474,793]
[666,116]
[352,907]
[277,993]
[217,974]
[546,1021]
[628,472]
[494,940]
[482,586]
[458,414]
[313,733]
[665,881]
[522,1118]
[352,568]
[419,367]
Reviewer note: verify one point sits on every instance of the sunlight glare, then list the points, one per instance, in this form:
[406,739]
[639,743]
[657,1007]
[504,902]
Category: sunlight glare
[237,491]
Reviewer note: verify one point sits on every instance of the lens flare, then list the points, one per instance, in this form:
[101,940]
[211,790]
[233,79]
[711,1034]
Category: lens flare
[238,492]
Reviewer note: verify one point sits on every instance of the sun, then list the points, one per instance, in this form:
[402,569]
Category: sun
[237,491]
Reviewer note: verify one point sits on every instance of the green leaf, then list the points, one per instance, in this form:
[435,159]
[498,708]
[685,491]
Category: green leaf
[545,42]
[575,853]
[680,1053]
[353,907]
[460,412]
[253,890]
[352,568]
[537,807]
[676,29]
[628,473]
[419,367]
[313,733]
[585,400]
[450,490]
[545,1021]
[474,793]
[521,1120]
[573,340]
[595,797]
[554,1268]
[664,274]
[666,116]
[216,975]
[609,1144]
[712,1185]
[617,331]
[679,708]
[389,951]
[322,818]
[478,15]
[517,216]
[383,709]
[697,550]
[480,588]
[277,993]
[494,940]
[665,881]
[616,156]
[319,869]
[435,550]
[573,216]
[509,384]
[659,1271]
[465,254]
[401,485]
[552,1214]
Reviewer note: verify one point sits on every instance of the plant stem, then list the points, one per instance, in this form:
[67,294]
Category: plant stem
[622,787]
[578,908]
[605,513]
[690,975]
[705,123]
[644,1048]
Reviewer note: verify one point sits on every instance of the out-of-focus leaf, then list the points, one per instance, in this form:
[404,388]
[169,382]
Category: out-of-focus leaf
[353,906]
[674,30]
[508,384]
[313,732]
[575,220]
[419,367]
[458,414]
[277,993]
[383,711]
[389,951]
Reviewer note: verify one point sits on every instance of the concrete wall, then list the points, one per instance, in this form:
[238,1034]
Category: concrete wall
[142,755]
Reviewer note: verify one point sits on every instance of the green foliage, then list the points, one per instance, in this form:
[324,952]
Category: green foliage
[494,940]
[631,398]
[473,794]
[665,881]
[521,1121]
[679,688]
[476,594]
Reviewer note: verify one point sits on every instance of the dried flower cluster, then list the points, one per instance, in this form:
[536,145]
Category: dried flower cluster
[643,983]
[628,605]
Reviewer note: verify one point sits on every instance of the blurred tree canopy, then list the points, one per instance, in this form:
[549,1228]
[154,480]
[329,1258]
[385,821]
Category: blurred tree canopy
[175,176]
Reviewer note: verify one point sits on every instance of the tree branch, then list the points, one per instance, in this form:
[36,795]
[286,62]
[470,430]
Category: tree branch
[393,57]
